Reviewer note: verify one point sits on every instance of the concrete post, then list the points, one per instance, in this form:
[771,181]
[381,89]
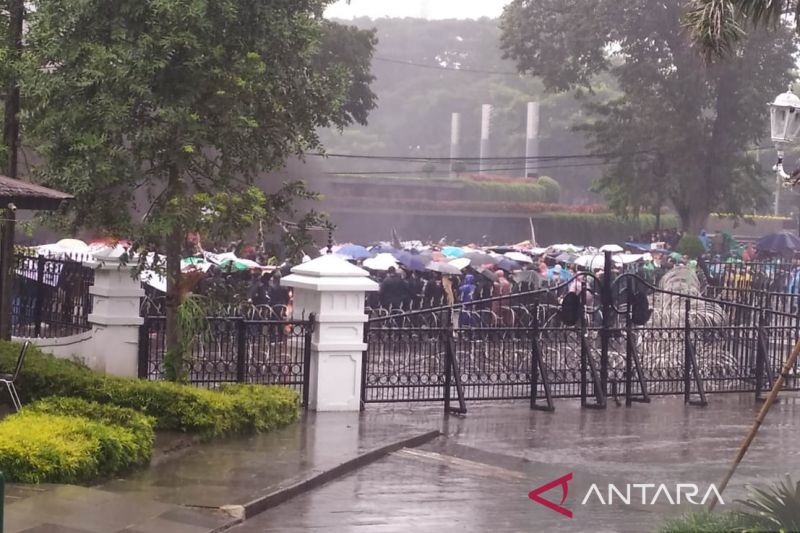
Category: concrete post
[333,290]
[486,121]
[532,139]
[455,141]
[115,318]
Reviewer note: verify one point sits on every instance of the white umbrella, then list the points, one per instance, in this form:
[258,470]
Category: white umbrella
[380,262]
[74,245]
[519,257]
[627,258]
[571,248]
[592,262]
[461,263]
[613,248]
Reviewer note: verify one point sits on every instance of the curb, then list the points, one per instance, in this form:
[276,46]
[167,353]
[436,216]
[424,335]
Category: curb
[312,480]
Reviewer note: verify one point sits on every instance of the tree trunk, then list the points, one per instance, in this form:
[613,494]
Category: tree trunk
[174,346]
[16,10]
[694,221]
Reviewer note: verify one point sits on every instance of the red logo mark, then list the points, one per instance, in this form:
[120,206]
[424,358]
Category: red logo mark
[535,495]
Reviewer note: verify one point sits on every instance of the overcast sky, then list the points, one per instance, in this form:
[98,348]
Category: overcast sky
[433,9]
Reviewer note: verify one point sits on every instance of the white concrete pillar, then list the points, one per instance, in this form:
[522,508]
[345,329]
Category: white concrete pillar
[333,290]
[115,318]
[486,127]
[532,139]
[455,141]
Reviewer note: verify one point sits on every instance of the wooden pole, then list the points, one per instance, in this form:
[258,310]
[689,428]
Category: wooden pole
[762,414]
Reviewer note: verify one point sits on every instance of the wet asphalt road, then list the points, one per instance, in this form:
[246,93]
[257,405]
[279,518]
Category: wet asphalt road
[477,478]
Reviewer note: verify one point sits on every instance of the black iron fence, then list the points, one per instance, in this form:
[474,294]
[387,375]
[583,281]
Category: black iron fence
[235,350]
[524,346]
[51,297]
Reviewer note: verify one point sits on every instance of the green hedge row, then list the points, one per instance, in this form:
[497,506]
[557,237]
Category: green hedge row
[594,228]
[543,190]
[69,440]
[234,409]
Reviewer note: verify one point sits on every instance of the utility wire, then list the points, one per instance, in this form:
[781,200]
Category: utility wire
[441,67]
[399,172]
[422,159]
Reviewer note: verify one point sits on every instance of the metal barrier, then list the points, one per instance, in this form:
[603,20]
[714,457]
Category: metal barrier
[520,347]
[50,297]
[236,350]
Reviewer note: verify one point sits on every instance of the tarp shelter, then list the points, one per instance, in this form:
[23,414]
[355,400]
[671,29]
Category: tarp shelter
[18,194]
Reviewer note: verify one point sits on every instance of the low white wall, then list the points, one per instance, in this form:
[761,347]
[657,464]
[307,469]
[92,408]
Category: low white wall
[76,347]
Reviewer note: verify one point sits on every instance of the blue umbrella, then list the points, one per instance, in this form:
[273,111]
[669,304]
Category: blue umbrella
[410,261]
[509,265]
[353,251]
[383,249]
[453,251]
[778,243]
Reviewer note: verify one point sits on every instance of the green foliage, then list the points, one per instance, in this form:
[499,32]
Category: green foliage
[703,522]
[774,509]
[174,406]
[37,446]
[691,246]
[193,325]
[519,191]
[552,190]
[428,168]
[700,120]
[141,426]
[594,228]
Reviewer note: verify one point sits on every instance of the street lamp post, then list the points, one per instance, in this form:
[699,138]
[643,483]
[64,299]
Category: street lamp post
[784,114]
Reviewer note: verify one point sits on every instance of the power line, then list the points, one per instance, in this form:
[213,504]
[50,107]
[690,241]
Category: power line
[440,67]
[422,159]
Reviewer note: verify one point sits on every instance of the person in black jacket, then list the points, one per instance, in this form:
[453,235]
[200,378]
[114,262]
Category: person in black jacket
[393,290]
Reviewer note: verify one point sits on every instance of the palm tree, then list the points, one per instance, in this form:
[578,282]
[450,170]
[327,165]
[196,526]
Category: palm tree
[717,25]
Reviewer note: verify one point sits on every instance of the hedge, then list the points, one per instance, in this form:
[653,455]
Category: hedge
[48,443]
[594,228]
[704,522]
[544,189]
[176,407]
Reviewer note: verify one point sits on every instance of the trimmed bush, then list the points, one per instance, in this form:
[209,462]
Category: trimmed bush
[691,246]
[176,407]
[37,447]
[140,425]
[552,190]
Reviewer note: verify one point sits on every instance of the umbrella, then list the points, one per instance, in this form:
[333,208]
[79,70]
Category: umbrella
[410,261]
[508,265]
[566,248]
[592,262]
[73,245]
[488,274]
[380,262]
[383,248]
[528,276]
[477,259]
[444,268]
[353,251]
[519,257]
[453,251]
[778,243]
[613,248]
[461,263]
[565,258]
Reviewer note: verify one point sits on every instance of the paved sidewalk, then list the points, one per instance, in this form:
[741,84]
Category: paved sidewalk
[187,492]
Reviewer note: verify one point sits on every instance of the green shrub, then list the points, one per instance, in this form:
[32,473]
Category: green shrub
[552,190]
[38,447]
[774,509]
[174,406]
[594,228]
[514,191]
[691,246]
[140,425]
[703,522]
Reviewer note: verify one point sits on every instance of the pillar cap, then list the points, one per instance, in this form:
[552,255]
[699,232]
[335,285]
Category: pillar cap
[330,266]
[329,273]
